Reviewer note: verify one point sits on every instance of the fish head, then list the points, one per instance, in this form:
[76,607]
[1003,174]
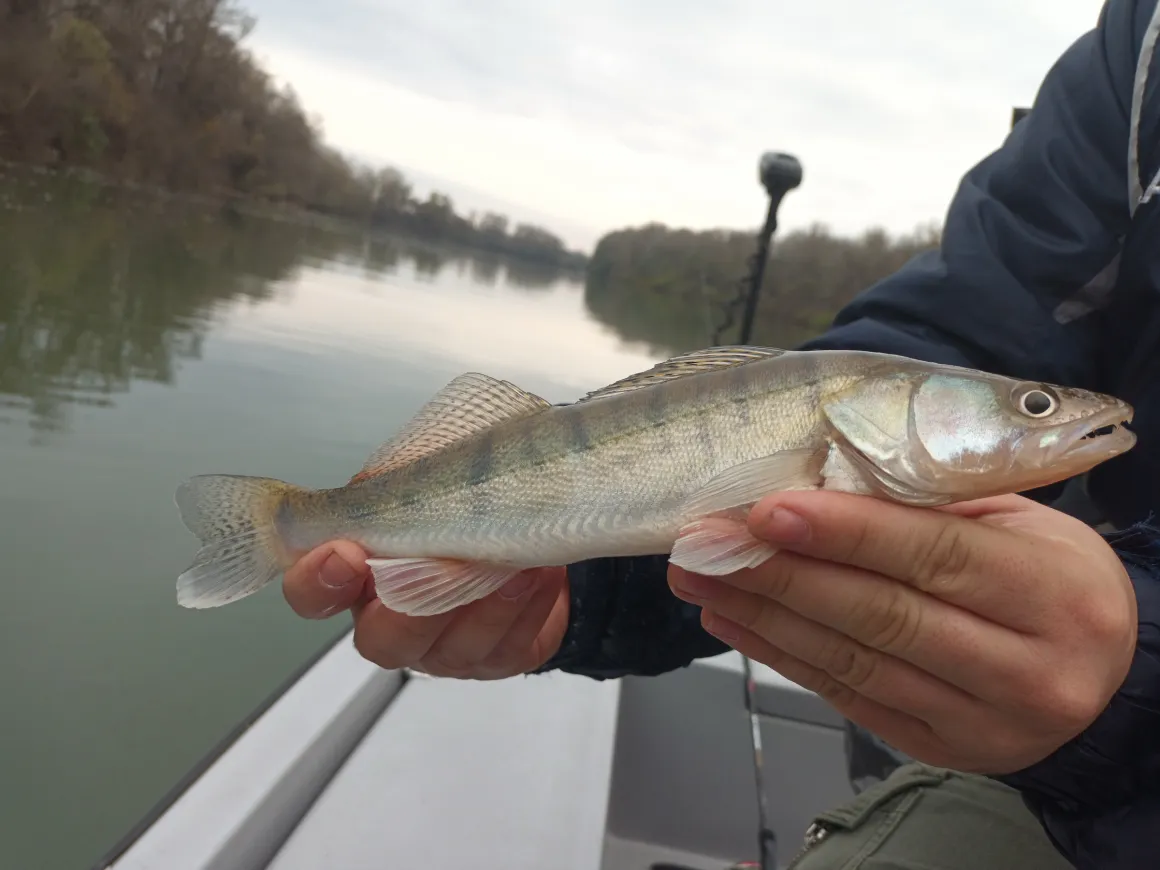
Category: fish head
[934,436]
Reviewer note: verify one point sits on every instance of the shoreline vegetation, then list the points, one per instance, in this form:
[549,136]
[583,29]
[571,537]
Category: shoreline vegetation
[163,96]
[671,288]
[160,99]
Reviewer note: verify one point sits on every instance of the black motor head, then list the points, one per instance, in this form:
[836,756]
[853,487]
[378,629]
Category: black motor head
[779,173]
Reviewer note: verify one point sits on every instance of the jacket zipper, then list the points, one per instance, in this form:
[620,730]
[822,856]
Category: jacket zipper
[815,833]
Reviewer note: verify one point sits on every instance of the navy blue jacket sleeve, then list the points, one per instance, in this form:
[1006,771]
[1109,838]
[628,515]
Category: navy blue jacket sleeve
[1098,796]
[625,620]
[1031,230]
[1029,227]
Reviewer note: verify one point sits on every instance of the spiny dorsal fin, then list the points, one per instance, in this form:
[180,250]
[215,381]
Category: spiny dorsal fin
[686,364]
[469,404]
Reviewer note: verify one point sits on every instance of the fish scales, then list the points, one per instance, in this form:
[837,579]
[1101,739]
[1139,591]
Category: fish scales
[644,457]
[488,479]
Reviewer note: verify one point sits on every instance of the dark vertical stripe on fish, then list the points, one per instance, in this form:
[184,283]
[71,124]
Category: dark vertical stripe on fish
[660,413]
[482,459]
[705,438]
[530,448]
[579,430]
[657,407]
[478,472]
[811,376]
[738,386]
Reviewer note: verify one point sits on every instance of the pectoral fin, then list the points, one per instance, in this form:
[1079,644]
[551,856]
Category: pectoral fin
[748,482]
[718,540]
[718,545]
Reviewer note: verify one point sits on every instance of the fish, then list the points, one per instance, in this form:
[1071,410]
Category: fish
[488,479]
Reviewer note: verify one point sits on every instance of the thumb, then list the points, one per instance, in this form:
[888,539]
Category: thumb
[970,564]
[326,580]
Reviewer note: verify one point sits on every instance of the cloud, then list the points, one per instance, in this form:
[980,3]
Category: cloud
[592,114]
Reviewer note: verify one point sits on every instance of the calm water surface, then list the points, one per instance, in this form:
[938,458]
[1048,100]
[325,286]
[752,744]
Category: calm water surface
[138,347]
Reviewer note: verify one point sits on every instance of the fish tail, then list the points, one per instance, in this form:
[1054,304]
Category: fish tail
[242,550]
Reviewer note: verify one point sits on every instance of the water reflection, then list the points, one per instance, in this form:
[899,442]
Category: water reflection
[140,344]
[93,298]
[668,324]
[381,257]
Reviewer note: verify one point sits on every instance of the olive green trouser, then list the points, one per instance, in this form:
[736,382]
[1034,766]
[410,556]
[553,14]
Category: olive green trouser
[928,818]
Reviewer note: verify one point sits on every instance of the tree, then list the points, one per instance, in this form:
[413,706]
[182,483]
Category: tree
[162,92]
[671,287]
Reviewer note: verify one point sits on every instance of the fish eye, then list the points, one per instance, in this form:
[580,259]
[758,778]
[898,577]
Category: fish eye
[1037,403]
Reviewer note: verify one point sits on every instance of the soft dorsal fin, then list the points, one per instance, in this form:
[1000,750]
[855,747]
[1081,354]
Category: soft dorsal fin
[469,404]
[686,364]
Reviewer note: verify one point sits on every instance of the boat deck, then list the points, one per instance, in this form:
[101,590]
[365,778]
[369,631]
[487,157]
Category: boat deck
[356,768]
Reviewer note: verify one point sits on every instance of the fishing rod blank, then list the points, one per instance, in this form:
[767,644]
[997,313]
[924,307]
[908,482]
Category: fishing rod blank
[779,173]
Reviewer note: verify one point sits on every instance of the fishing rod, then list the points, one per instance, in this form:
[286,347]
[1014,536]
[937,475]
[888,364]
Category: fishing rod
[779,174]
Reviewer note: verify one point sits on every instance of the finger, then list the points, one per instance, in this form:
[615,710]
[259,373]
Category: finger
[976,565]
[899,729]
[869,672]
[478,628]
[394,640]
[997,507]
[535,635]
[980,658]
[327,580]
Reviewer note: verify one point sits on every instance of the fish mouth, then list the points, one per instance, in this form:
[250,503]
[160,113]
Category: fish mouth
[1101,436]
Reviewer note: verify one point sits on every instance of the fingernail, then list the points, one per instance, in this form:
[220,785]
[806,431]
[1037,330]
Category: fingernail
[516,587]
[720,627]
[783,526]
[336,572]
[696,585]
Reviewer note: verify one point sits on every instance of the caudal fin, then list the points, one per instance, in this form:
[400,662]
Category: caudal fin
[241,551]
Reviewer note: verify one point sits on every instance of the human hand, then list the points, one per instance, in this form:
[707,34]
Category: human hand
[980,636]
[512,631]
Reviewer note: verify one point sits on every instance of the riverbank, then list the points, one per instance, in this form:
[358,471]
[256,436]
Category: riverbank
[89,185]
[167,96]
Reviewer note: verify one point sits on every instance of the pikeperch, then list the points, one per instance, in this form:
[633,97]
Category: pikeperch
[488,479]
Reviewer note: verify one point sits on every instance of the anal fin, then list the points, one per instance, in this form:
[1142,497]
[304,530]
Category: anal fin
[718,545]
[426,587]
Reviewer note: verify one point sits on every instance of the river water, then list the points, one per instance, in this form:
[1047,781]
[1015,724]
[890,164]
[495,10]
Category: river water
[140,345]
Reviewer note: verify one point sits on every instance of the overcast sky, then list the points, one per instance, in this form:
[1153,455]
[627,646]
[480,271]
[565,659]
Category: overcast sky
[589,115]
